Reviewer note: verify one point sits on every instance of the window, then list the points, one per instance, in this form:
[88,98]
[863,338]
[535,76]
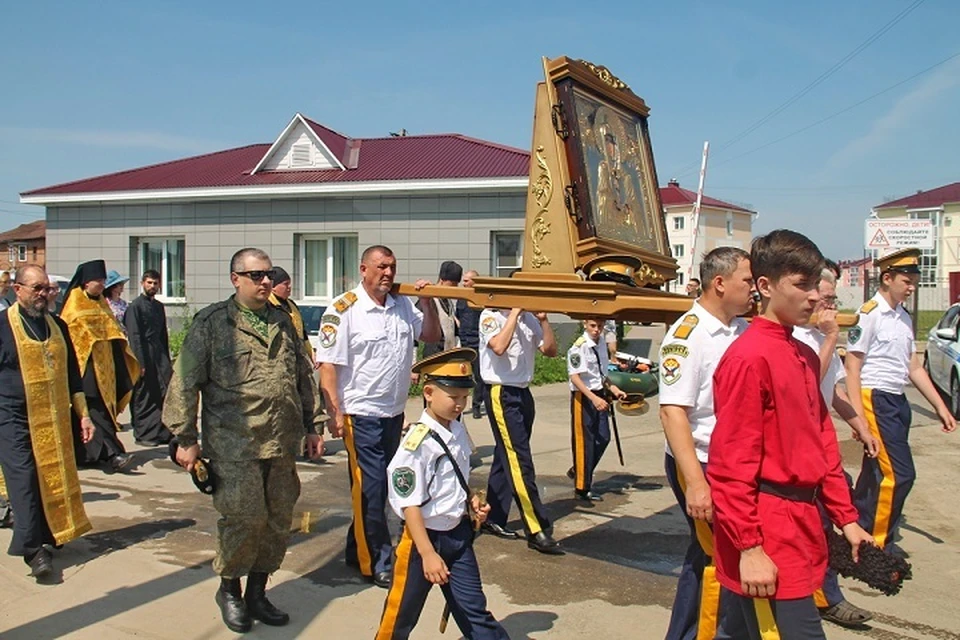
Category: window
[678,251]
[679,279]
[506,253]
[929,258]
[729,225]
[678,223]
[167,256]
[854,272]
[949,318]
[18,253]
[328,266]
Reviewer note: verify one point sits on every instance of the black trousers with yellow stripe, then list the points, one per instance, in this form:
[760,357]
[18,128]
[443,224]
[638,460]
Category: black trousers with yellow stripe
[463,592]
[885,481]
[511,412]
[371,443]
[590,434]
[697,605]
[763,619]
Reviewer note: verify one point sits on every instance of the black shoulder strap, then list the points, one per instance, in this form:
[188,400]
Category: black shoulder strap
[453,461]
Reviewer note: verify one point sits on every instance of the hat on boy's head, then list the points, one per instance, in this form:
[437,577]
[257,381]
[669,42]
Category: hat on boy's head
[903,261]
[451,368]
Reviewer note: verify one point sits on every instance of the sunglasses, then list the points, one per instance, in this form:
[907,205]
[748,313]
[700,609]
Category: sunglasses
[258,276]
[38,288]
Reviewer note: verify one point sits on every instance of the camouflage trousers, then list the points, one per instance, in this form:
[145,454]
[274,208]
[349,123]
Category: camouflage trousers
[255,499]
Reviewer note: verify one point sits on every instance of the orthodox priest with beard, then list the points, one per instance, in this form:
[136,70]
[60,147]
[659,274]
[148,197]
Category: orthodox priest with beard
[39,384]
[107,365]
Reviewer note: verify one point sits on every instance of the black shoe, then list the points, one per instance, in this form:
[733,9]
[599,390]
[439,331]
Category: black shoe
[476,413]
[501,532]
[41,564]
[588,495]
[383,579]
[258,607]
[570,473]
[232,607]
[120,462]
[545,544]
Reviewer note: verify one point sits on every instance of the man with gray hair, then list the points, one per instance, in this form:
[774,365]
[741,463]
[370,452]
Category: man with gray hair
[4,289]
[248,362]
[689,355]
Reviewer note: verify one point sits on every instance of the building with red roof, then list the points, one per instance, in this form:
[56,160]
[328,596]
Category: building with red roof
[25,244]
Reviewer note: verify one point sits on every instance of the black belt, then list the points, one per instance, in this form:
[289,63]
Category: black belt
[789,492]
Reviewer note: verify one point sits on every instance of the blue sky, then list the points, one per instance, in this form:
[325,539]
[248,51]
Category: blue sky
[94,88]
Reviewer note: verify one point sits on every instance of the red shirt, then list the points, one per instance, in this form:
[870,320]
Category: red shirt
[773,425]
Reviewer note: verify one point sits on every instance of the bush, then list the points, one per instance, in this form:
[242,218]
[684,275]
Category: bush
[177,337]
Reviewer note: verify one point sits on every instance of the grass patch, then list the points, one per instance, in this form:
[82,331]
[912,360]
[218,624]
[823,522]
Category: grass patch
[926,320]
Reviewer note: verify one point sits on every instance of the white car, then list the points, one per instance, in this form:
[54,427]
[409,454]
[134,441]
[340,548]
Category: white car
[942,358]
[311,321]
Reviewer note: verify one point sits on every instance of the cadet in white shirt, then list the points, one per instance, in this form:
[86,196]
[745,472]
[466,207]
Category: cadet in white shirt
[881,358]
[689,355]
[587,363]
[429,490]
[822,338]
[508,346]
[365,355]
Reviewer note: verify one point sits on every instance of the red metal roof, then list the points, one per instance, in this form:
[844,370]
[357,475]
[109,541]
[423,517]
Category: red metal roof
[30,231]
[925,199]
[673,194]
[426,157]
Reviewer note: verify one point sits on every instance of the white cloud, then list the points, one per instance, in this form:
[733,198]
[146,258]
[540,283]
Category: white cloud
[113,139]
[907,110]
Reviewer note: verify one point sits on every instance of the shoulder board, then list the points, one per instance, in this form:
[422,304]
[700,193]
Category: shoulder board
[686,327]
[345,301]
[579,341]
[868,306]
[418,432]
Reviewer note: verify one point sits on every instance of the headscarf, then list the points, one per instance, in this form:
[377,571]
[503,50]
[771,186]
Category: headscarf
[86,272]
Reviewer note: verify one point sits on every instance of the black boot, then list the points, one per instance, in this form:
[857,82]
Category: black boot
[232,607]
[257,604]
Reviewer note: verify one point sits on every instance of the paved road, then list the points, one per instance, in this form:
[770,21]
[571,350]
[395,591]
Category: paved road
[145,570]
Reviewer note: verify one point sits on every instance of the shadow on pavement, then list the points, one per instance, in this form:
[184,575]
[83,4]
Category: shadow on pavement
[520,625]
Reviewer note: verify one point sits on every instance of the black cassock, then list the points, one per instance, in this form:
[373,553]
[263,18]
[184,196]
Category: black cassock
[30,529]
[146,323]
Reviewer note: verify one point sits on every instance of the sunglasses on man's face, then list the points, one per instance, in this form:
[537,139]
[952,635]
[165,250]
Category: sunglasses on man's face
[258,276]
[38,288]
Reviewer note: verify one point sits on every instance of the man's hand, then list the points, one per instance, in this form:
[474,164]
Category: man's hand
[855,534]
[699,503]
[314,445]
[949,424]
[541,316]
[421,283]
[336,424]
[827,321]
[616,392]
[86,430]
[316,365]
[758,574]
[479,513]
[435,569]
[187,456]
[599,403]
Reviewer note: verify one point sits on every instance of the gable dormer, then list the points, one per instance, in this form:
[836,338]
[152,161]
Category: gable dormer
[300,147]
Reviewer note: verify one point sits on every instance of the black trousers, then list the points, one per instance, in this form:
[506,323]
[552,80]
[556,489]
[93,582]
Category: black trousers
[590,435]
[511,412]
[30,528]
[761,619]
[105,443]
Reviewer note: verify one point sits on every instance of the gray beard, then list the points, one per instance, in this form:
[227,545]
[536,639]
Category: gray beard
[34,313]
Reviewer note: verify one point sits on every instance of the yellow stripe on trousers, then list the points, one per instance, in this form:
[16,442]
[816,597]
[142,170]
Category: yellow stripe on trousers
[391,609]
[709,585]
[579,452]
[765,619]
[519,486]
[881,519]
[820,599]
[356,495]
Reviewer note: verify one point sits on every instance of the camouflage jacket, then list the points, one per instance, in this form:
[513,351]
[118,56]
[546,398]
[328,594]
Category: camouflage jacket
[259,397]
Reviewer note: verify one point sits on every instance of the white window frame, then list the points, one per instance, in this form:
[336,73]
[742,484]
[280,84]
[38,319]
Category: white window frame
[495,267]
[678,223]
[301,276]
[164,270]
[18,254]
[678,251]
[729,224]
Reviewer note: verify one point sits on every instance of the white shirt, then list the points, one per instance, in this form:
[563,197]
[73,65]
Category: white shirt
[425,477]
[610,331]
[515,366]
[582,359]
[372,347]
[884,336]
[813,338]
[689,355]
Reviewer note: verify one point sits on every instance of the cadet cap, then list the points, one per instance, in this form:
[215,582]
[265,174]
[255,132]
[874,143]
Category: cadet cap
[618,268]
[904,261]
[451,368]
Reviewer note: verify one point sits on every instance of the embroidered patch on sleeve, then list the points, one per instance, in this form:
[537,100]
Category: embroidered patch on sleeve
[489,325]
[404,481]
[575,359]
[854,334]
[670,370]
[675,350]
[329,318]
[328,335]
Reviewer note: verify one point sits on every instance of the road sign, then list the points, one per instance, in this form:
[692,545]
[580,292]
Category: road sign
[898,233]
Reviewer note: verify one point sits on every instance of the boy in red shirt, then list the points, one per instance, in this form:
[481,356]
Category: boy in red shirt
[774,454]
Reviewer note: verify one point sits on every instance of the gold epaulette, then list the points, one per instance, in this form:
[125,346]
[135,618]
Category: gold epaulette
[686,327]
[868,306]
[345,301]
[418,432]
[579,341]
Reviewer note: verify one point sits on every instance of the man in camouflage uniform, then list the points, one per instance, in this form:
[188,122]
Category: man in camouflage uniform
[259,400]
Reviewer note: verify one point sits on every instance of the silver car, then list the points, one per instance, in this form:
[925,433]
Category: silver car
[942,357]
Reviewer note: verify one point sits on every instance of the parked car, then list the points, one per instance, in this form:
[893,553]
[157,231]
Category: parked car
[311,321]
[942,357]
